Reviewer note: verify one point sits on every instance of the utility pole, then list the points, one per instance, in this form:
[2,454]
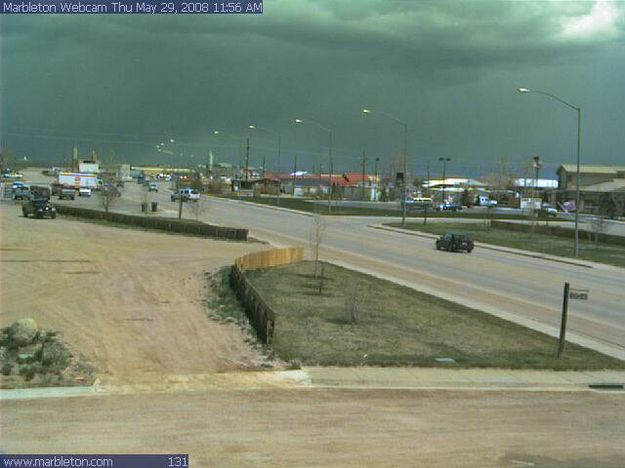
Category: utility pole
[427,203]
[247,159]
[294,175]
[240,156]
[264,167]
[364,173]
[180,205]
[377,178]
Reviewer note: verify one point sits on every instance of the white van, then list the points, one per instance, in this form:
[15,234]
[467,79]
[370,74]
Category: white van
[185,194]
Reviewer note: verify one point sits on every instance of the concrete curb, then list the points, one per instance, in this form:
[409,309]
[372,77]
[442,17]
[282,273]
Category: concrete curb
[262,205]
[461,379]
[523,253]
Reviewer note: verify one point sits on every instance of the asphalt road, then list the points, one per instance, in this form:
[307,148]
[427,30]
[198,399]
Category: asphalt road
[521,288]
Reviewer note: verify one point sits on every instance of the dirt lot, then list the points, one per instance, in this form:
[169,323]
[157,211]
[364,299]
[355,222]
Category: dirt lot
[130,301]
[319,427]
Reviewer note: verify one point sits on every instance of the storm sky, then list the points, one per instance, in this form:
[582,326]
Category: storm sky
[448,69]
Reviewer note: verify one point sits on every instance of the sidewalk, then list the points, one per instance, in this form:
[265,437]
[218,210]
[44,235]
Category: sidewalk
[460,379]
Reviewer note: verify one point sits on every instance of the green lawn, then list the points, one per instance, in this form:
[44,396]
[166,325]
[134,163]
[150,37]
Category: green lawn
[322,209]
[543,243]
[397,326]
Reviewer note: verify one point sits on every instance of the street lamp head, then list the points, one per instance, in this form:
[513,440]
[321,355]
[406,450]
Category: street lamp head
[251,126]
[215,132]
[523,90]
[366,111]
[299,121]
[171,140]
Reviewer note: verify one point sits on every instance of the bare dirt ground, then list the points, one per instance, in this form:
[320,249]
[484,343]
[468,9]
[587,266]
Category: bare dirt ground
[331,427]
[130,301]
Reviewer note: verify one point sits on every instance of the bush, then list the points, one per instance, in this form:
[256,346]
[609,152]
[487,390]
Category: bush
[28,371]
[54,357]
[7,367]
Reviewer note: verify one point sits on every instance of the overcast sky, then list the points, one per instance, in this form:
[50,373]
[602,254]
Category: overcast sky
[448,69]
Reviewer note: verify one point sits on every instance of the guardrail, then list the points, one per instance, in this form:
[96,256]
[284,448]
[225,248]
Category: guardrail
[163,224]
[261,315]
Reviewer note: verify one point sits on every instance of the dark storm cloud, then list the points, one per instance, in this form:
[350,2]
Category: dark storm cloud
[437,65]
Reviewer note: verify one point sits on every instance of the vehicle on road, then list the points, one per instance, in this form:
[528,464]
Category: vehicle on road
[84,192]
[453,242]
[67,193]
[22,192]
[185,194]
[39,208]
[77,179]
[153,187]
[548,210]
[447,206]
[417,202]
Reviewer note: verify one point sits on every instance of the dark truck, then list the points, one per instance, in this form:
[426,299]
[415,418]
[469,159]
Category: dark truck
[453,242]
[39,208]
[67,193]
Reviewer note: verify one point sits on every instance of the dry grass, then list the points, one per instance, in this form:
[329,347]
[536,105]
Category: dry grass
[396,325]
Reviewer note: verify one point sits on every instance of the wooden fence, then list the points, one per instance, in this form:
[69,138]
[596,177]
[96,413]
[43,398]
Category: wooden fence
[164,224]
[260,314]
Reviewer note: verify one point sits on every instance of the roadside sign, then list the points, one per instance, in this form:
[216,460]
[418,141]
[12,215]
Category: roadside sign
[578,294]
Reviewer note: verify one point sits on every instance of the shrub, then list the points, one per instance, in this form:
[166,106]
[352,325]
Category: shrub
[7,367]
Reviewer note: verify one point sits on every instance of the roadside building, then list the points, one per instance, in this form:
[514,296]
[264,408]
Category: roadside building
[453,189]
[601,187]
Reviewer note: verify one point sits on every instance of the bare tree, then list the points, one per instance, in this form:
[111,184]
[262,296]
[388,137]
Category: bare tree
[501,177]
[109,193]
[354,300]
[316,237]
[598,226]
[198,208]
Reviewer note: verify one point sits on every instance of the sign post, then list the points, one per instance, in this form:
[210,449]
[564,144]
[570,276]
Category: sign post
[574,294]
[565,310]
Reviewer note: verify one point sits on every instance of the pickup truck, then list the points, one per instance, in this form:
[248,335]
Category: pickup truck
[22,192]
[67,193]
[39,208]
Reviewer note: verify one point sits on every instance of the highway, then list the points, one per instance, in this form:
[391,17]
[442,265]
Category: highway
[524,289]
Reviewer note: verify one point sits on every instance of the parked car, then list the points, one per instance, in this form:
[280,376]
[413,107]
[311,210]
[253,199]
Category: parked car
[22,192]
[453,242]
[449,207]
[84,192]
[67,194]
[548,210]
[185,194]
[39,208]
[153,187]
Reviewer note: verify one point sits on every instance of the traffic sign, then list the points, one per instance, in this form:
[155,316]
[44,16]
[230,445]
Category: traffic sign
[578,294]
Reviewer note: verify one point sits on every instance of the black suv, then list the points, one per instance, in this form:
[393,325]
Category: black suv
[454,242]
[39,208]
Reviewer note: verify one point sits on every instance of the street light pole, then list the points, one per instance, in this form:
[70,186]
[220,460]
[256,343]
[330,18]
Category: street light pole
[579,144]
[445,161]
[256,127]
[331,148]
[405,157]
